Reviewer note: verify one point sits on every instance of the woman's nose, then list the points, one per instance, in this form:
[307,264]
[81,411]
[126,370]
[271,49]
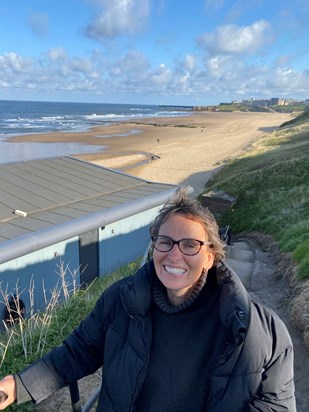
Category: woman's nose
[175,251]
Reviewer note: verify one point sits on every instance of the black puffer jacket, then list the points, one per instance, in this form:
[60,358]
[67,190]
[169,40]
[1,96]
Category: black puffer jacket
[255,372]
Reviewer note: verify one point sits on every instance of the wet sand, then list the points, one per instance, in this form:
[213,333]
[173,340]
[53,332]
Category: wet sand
[179,150]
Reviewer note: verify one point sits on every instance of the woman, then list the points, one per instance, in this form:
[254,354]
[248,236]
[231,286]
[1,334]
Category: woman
[180,335]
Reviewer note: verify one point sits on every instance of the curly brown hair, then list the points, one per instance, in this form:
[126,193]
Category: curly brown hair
[180,203]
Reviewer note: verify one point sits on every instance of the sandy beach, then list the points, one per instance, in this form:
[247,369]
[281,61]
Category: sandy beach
[177,150]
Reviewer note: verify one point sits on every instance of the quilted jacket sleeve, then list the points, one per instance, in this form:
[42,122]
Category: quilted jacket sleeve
[276,392]
[80,355]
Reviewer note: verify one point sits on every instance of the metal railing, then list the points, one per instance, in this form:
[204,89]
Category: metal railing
[226,234]
[76,402]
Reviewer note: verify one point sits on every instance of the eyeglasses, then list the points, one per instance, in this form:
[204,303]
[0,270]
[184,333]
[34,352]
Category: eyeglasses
[188,247]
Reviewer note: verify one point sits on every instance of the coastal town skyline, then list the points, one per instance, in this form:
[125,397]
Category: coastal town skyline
[151,52]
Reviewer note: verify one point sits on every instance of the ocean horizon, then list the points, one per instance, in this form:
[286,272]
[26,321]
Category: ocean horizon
[28,117]
[32,117]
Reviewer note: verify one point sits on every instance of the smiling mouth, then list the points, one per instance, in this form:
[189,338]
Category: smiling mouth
[174,271]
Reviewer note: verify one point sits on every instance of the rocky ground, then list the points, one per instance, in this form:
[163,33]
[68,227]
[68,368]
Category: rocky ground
[257,269]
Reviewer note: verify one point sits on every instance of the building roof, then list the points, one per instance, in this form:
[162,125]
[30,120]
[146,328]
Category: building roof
[48,195]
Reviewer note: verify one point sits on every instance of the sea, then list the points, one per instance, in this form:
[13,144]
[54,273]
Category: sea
[29,117]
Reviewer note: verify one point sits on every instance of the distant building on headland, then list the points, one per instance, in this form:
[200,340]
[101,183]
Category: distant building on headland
[274,101]
[252,103]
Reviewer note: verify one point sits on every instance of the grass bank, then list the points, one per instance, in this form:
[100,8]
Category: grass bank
[30,339]
[270,182]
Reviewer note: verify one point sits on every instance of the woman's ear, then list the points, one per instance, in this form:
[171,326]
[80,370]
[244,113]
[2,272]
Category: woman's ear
[210,257]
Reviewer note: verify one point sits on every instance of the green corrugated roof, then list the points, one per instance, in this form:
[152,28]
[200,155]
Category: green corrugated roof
[57,190]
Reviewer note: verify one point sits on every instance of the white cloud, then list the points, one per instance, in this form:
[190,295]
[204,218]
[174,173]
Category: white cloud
[53,72]
[118,17]
[220,76]
[84,66]
[189,62]
[132,63]
[60,63]
[232,39]
[161,75]
[287,80]
[127,73]
[223,67]
[39,23]
[57,53]
[12,63]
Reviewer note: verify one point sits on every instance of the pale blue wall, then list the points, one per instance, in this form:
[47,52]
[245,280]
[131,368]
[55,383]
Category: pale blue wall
[38,271]
[120,243]
[124,241]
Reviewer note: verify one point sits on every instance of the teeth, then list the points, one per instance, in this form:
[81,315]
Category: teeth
[174,271]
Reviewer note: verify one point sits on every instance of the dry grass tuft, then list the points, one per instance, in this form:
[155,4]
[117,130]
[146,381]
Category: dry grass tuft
[300,310]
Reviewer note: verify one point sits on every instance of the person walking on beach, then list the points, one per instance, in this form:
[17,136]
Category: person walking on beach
[181,334]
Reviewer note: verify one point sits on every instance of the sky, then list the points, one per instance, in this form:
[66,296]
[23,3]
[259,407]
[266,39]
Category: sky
[170,52]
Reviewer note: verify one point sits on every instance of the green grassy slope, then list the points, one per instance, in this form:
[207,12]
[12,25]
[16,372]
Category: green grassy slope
[272,189]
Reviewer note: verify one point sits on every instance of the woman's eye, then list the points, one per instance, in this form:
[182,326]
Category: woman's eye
[164,242]
[189,244]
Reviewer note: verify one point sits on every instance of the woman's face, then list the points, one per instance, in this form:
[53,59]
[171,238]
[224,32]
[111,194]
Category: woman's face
[179,272]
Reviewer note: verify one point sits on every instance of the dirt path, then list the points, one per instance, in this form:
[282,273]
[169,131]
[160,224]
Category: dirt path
[257,269]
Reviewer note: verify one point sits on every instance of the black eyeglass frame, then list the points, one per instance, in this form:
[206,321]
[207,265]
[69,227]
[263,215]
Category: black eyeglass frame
[177,242]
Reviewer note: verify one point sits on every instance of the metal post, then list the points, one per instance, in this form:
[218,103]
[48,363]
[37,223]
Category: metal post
[75,400]
[91,401]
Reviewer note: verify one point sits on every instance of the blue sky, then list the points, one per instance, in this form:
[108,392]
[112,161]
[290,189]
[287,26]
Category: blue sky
[196,52]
